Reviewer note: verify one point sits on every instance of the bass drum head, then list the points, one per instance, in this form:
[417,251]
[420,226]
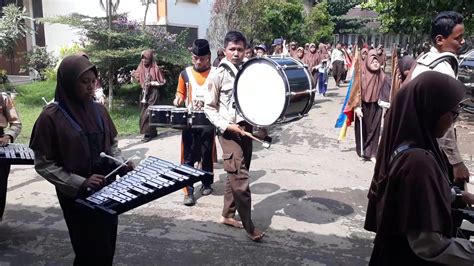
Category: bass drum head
[260,92]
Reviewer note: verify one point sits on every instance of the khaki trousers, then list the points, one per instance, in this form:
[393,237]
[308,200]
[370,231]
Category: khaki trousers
[237,154]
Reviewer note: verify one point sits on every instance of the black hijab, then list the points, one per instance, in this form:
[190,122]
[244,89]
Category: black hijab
[411,120]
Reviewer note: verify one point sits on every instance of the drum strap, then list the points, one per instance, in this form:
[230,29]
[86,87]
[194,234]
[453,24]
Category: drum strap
[230,67]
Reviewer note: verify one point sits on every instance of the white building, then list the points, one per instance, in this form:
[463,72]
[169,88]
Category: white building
[175,15]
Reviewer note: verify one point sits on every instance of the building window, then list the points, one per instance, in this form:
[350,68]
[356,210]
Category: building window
[192,33]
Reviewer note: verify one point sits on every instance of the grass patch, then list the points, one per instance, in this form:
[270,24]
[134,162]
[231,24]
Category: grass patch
[29,104]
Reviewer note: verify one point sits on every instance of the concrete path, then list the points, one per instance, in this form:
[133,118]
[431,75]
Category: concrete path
[308,191]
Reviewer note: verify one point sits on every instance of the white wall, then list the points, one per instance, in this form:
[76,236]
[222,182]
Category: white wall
[196,15]
[57,35]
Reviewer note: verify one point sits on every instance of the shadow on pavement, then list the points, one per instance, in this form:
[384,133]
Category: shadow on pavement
[29,237]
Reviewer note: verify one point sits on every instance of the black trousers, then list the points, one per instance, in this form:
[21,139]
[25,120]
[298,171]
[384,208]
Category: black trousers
[337,70]
[4,172]
[198,146]
[93,236]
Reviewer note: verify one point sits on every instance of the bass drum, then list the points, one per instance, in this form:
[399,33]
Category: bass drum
[271,90]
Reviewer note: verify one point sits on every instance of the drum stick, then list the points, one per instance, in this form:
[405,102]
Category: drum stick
[265,144]
[44,99]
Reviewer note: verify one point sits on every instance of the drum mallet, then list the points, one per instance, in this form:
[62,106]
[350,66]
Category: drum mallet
[265,144]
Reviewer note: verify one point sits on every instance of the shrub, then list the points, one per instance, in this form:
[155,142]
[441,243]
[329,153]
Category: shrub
[50,73]
[5,84]
[39,60]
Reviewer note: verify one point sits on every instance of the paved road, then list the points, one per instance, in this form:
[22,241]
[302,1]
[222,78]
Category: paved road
[309,195]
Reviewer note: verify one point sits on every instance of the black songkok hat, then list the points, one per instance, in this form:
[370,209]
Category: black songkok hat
[200,47]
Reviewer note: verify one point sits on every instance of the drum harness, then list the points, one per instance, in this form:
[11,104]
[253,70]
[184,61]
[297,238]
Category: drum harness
[233,72]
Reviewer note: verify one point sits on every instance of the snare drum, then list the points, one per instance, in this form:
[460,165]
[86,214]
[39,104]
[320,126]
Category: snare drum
[160,115]
[179,118]
[199,120]
[271,90]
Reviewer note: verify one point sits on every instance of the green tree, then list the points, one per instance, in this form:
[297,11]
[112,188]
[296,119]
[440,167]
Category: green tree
[12,28]
[318,26]
[342,24]
[414,16]
[146,3]
[121,45]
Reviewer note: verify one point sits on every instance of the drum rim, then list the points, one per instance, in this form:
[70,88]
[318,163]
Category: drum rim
[280,72]
[162,107]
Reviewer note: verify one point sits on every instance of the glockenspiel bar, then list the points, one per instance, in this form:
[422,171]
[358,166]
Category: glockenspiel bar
[151,179]
[17,154]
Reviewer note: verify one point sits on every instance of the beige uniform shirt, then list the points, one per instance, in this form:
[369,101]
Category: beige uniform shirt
[9,119]
[448,141]
[219,101]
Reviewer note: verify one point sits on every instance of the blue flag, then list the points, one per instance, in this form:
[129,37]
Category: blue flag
[342,117]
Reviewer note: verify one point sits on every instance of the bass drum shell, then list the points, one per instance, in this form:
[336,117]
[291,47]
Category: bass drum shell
[271,90]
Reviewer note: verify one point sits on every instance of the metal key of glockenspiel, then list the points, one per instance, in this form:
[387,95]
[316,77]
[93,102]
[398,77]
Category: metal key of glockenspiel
[170,174]
[118,193]
[164,180]
[131,185]
[158,171]
[111,196]
[156,179]
[178,176]
[189,170]
[94,200]
[137,184]
[142,180]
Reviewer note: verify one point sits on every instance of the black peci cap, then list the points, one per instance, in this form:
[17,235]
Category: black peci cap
[200,47]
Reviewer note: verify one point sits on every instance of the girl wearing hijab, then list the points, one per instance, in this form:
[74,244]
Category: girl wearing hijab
[67,140]
[410,196]
[312,59]
[323,51]
[374,87]
[150,77]
[300,54]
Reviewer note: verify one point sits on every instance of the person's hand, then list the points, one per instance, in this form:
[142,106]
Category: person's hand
[130,166]
[147,85]
[262,133]
[135,74]
[467,197]
[177,101]
[236,129]
[5,140]
[461,173]
[94,182]
[358,112]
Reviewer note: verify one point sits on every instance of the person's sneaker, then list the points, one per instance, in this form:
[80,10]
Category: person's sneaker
[189,200]
[206,190]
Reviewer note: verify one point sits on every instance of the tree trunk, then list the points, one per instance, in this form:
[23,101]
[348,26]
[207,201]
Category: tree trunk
[146,11]
[111,68]
[111,86]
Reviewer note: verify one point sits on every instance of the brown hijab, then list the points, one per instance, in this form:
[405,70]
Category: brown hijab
[312,59]
[411,119]
[152,69]
[323,51]
[372,82]
[60,140]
